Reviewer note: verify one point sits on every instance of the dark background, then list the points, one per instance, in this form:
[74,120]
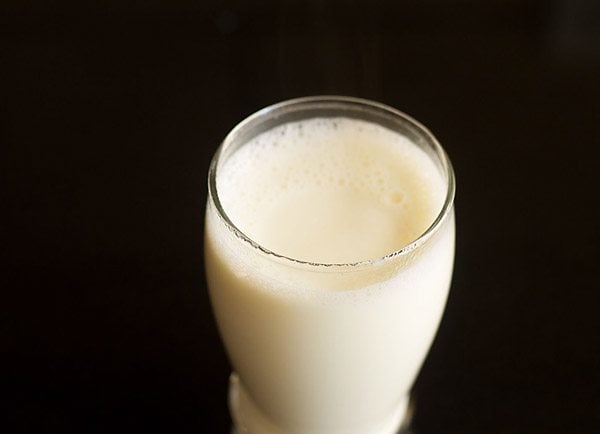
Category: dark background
[109,115]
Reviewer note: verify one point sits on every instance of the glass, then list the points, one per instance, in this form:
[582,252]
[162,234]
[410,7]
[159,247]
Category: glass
[343,361]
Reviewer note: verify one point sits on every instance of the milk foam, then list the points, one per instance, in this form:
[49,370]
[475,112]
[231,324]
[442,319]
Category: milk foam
[332,190]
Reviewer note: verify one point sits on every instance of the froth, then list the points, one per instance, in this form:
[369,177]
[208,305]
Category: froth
[331,190]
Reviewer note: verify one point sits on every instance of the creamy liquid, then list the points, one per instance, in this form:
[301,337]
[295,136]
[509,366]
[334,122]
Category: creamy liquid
[332,191]
[320,350]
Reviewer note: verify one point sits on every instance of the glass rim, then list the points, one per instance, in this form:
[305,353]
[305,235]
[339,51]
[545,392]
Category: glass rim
[366,104]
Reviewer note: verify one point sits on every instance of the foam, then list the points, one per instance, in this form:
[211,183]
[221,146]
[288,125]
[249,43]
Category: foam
[363,188]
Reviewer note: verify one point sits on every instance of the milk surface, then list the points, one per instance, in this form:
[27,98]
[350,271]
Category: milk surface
[327,349]
[331,190]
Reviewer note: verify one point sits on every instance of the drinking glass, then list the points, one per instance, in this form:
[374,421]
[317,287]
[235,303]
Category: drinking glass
[344,361]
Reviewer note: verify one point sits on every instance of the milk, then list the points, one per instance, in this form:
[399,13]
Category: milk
[327,335]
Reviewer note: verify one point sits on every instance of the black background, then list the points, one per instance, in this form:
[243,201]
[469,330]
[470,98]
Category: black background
[109,115]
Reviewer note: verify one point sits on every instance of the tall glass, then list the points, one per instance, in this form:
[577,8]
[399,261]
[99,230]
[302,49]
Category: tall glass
[344,360]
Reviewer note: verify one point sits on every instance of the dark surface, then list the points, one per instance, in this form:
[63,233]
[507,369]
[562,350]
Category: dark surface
[109,116]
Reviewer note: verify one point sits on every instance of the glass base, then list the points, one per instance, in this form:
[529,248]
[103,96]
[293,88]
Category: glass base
[240,405]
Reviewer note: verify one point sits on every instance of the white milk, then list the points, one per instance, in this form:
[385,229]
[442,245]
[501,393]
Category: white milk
[327,349]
